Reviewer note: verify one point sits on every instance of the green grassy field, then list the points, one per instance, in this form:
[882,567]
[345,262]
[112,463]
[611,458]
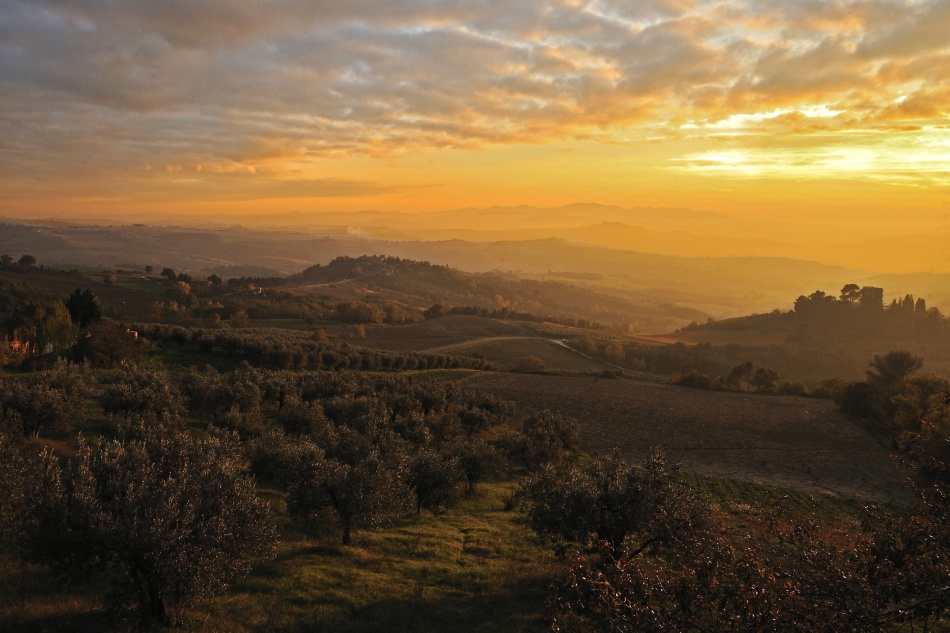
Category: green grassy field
[474,568]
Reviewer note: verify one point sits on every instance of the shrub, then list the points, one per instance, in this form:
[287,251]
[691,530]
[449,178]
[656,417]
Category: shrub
[697,380]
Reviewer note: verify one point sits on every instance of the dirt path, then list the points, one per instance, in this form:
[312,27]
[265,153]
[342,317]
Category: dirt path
[803,443]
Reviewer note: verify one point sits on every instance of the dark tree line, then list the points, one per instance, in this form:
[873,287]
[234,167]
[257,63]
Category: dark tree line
[286,349]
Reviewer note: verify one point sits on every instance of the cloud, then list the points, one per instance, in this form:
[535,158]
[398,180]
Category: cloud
[110,86]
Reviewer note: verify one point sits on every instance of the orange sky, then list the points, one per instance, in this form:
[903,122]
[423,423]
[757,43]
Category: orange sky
[811,108]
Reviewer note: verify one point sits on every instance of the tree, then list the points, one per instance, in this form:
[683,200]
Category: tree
[105,344]
[166,516]
[360,495]
[301,418]
[740,371]
[26,261]
[793,575]
[143,392]
[239,318]
[50,400]
[476,459]
[44,324]
[84,308]
[608,501]
[6,261]
[180,290]
[548,437]
[893,367]
[13,489]
[169,274]
[435,480]
[763,379]
[148,269]
[851,293]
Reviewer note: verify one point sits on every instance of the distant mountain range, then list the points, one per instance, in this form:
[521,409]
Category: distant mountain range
[717,286]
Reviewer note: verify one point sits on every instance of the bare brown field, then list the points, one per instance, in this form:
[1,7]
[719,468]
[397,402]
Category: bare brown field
[749,338]
[801,443]
[511,352]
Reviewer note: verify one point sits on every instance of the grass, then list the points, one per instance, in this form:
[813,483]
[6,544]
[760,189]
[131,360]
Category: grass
[474,568]
[738,500]
[510,354]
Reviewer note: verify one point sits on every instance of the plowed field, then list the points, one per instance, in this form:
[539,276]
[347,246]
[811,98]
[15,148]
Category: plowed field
[802,443]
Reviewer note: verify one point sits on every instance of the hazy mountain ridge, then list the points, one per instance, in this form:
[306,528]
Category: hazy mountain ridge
[720,286]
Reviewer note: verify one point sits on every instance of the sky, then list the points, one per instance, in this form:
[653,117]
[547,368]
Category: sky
[806,108]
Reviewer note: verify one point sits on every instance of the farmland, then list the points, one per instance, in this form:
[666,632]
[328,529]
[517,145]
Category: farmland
[801,443]
[389,447]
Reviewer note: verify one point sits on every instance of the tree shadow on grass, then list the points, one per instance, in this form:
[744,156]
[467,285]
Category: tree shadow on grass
[59,620]
[512,612]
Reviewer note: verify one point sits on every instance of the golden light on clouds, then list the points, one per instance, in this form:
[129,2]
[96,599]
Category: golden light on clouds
[110,107]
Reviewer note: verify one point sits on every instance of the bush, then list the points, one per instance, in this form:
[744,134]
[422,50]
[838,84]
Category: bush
[792,388]
[697,380]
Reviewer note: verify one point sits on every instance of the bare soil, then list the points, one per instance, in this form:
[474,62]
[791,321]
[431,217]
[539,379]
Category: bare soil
[801,443]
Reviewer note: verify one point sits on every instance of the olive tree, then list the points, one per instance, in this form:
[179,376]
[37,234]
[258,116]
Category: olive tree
[143,391]
[167,516]
[436,480]
[608,501]
[52,400]
[359,495]
[12,490]
[548,436]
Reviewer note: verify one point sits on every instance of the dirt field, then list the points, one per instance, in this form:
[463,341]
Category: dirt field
[510,353]
[803,443]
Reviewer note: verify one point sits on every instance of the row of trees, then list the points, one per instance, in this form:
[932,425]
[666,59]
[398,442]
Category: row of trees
[25,261]
[863,302]
[746,376]
[288,349]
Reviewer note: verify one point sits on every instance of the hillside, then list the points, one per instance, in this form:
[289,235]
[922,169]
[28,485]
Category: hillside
[783,441]
[378,462]
[423,284]
[718,286]
[834,335]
